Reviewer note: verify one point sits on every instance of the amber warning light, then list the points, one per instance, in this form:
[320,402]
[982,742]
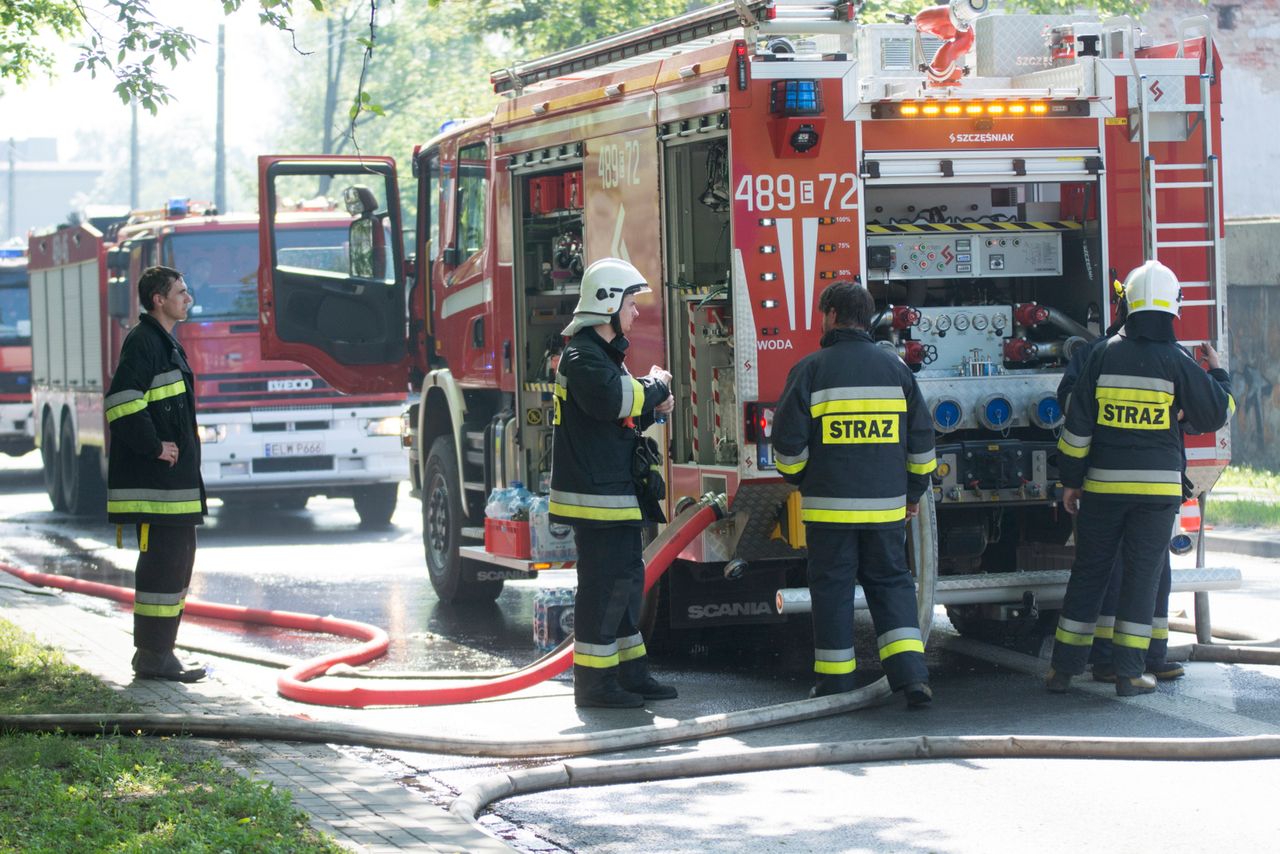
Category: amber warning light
[975,109]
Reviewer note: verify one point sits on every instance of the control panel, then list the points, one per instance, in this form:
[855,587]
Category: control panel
[964,255]
[968,340]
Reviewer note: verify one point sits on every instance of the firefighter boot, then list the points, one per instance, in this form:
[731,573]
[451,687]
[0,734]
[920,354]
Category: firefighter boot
[598,688]
[1057,683]
[149,664]
[1166,671]
[918,695]
[1132,686]
[1104,673]
[634,676]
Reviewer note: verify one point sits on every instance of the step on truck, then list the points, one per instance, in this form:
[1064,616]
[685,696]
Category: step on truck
[986,176]
[272,432]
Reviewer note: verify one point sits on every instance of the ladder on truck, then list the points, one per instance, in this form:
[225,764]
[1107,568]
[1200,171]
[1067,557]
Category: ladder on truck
[1158,177]
[767,17]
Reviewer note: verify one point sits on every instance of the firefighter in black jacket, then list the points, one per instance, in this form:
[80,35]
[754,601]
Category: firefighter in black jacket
[852,431]
[600,408]
[153,470]
[1121,464]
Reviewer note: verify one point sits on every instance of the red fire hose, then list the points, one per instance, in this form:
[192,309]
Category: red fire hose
[293,683]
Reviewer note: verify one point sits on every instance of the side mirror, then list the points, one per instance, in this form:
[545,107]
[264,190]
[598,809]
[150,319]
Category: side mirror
[360,236]
[452,256]
[119,297]
[117,261]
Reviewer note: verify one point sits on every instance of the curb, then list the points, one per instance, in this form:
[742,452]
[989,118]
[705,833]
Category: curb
[1255,543]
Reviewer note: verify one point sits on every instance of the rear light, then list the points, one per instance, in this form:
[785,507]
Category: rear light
[740,59]
[759,430]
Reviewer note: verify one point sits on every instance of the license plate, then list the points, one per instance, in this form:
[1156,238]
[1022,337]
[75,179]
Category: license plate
[295,449]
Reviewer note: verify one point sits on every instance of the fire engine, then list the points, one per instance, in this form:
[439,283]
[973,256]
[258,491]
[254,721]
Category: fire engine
[15,354]
[272,433]
[987,176]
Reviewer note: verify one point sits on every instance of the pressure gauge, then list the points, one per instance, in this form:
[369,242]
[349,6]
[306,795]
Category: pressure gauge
[979,322]
[925,324]
[962,323]
[943,323]
[998,322]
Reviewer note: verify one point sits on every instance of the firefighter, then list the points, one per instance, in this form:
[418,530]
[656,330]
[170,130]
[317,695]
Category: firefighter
[851,430]
[1100,654]
[600,409]
[1121,464]
[153,470]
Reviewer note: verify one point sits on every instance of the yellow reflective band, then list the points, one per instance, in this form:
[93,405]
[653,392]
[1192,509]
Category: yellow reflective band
[119,536]
[1231,406]
[614,514]
[169,508]
[632,652]
[144,536]
[850,517]
[1163,303]
[143,610]
[1131,641]
[1121,487]
[1072,450]
[1135,416]
[1104,632]
[923,468]
[1133,395]
[870,404]
[907,645]
[835,668]
[1073,638]
[790,468]
[637,397]
[1159,634]
[126,408]
[561,392]
[859,429]
[164,391]
[597,661]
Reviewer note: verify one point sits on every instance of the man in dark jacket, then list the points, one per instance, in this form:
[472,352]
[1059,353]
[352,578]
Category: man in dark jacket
[1121,463]
[153,470]
[600,409]
[852,431]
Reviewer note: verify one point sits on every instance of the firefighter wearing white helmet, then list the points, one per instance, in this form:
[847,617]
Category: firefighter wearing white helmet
[600,409]
[1121,462]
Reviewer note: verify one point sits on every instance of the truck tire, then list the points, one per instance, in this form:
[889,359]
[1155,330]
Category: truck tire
[83,491]
[375,504]
[442,517]
[49,464]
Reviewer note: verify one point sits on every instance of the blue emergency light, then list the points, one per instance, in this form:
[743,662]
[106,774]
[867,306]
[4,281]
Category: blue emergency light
[12,253]
[178,206]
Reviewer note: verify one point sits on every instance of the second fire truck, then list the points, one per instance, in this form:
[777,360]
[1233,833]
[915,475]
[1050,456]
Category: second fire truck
[987,176]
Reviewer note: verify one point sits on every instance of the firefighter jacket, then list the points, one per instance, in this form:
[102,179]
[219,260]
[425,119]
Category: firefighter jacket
[152,400]
[852,431]
[597,402]
[1122,438]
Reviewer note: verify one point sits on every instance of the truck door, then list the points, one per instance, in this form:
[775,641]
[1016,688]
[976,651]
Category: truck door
[339,309]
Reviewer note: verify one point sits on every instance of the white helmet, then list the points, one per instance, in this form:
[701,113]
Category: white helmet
[1153,287]
[604,284]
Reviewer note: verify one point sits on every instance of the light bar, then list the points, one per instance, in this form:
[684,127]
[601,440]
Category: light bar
[952,109]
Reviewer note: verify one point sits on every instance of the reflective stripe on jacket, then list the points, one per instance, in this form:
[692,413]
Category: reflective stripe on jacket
[592,449]
[852,431]
[1122,437]
[152,400]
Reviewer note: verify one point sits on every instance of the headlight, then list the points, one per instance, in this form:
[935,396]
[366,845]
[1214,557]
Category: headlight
[211,433]
[389,426]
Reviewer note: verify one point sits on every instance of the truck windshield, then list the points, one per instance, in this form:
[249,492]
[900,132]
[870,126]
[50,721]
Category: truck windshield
[221,267]
[15,309]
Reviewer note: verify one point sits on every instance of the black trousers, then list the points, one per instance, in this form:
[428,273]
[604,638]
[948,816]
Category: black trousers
[1139,534]
[606,610]
[876,558]
[1159,649]
[166,556]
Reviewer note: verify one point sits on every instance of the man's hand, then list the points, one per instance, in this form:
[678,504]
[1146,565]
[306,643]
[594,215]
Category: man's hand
[661,375]
[169,453]
[1071,499]
[667,405]
[913,510]
[1210,356]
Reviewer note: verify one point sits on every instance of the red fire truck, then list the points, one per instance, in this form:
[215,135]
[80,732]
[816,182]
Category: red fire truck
[744,156]
[15,354]
[272,432]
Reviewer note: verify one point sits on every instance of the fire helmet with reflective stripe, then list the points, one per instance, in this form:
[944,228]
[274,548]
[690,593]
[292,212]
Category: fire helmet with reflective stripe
[604,285]
[1153,287]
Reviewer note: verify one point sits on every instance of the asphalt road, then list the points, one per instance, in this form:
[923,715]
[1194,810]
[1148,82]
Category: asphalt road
[319,560]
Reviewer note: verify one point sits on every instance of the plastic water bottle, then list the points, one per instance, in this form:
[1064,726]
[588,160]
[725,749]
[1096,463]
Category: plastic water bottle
[499,504]
[520,500]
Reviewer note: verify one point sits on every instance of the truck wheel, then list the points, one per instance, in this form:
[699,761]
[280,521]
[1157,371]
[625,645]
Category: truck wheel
[442,517]
[375,504]
[82,489]
[49,463]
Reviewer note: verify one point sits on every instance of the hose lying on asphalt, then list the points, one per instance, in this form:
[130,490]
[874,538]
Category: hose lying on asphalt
[1252,649]
[573,774]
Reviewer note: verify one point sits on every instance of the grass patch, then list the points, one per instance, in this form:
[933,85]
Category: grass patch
[122,793]
[1242,513]
[1246,477]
